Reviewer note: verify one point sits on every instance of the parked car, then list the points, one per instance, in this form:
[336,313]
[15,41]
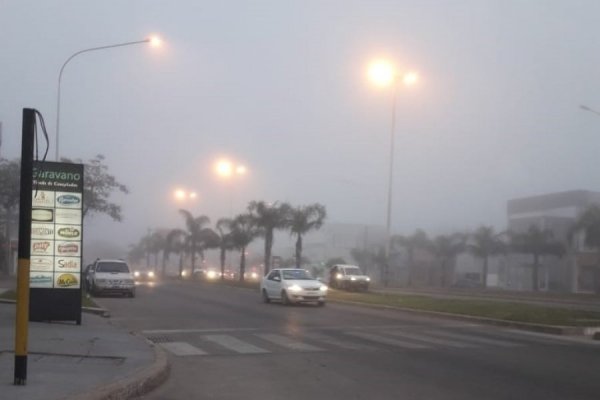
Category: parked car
[110,277]
[348,277]
[292,285]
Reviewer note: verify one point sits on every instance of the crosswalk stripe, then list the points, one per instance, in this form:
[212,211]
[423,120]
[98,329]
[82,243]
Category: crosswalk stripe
[475,339]
[386,340]
[429,339]
[233,343]
[183,349]
[288,343]
[344,344]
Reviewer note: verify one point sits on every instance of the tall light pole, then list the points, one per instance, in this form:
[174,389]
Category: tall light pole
[382,73]
[154,41]
[227,170]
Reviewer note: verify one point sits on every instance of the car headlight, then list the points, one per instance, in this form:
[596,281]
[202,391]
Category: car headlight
[211,274]
[368,279]
[151,274]
[136,274]
[339,276]
[294,288]
[183,273]
[323,288]
[352,278]
[254,275]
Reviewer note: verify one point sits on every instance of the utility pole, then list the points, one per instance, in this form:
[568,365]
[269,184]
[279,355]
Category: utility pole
[22,318]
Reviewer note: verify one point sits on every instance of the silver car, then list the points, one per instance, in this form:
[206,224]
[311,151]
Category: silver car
[292,285]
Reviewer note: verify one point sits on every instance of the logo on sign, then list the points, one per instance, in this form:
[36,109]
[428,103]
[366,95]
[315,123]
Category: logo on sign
[69,248]
[69,232]
[68,264]
[41,262]
[67,280]
[40,214]
[40,279]
[41,246]
[68,200]
[42,231]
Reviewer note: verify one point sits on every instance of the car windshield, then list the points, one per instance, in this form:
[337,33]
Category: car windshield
[112,267]
[296,274]
[353,271]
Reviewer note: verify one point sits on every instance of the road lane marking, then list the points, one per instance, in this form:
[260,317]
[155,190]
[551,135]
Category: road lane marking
[386,340]
[548,338]
[476,339]
[288,343]
[205,330]
[183,349]
[333,341]
[429,339]
[234,344]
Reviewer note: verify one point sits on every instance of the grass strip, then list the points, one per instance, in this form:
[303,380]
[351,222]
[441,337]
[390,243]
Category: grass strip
[85,300]
[507,311]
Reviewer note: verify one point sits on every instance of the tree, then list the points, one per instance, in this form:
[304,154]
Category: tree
[195,227]
[485,243]
[225,241]
[417,240]
[269,217]
[173,244]
[446,248]
[589,223]
[10,188]
[98,187]
[243,232]
[305,219]
[538,243]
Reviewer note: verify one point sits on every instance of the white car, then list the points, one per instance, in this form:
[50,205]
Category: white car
[110,277]
[292,285]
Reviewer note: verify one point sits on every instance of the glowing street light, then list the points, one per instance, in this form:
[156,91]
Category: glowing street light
[228,170]
[154,41]
[383,73]
[182,195]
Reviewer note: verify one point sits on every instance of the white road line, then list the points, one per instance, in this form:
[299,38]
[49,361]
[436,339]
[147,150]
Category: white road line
[553,339]
[334,341]
[183,349]
[232,343]
[206,330]
[387,340]
[475,339]
[429,339]
[288,343]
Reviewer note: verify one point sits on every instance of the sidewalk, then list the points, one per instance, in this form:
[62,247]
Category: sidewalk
[92,361]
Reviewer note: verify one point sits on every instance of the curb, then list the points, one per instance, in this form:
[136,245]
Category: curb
[90,310]
[551,329]
[139,383]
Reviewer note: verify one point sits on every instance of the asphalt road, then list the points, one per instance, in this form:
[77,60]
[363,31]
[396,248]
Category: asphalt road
[224,343]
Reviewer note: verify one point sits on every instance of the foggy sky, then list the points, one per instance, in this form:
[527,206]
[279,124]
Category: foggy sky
[282,87]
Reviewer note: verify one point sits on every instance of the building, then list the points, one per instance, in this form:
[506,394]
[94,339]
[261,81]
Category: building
[556,212]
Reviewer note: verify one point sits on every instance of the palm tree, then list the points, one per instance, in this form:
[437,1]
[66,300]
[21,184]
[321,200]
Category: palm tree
[195,226]
[269,217]
[173,244]
[243,232]
[538,243]
[485,243]
[225,241]
[417,240]
[446,248]
[589,223]
[302,220]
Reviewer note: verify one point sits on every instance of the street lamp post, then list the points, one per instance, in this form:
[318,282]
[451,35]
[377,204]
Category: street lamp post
[153,41]
[382,73]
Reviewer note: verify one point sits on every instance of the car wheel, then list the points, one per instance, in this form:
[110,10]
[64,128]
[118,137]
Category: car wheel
[284,298]
[321,304]
[265,296]
[132,294]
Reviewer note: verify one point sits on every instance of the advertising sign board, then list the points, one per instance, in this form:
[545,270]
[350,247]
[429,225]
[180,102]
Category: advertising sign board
[56,242]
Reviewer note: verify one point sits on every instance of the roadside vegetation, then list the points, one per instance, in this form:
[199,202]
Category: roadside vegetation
[85,300]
